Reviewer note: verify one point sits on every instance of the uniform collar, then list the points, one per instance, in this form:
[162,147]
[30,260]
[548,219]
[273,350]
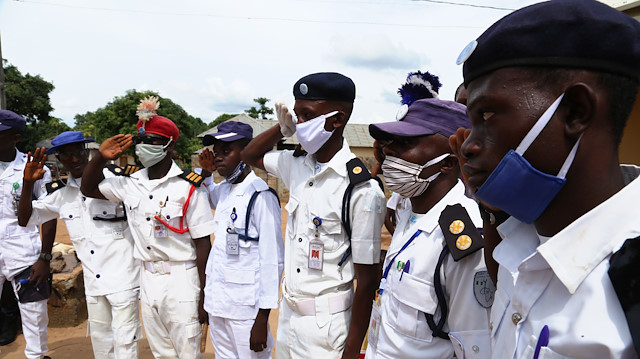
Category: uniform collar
[247,182]
[143,174]
[337,162]
[15,165]
[576,250]
[429,221]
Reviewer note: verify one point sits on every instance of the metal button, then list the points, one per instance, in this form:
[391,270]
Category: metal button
[516,318]
[97,275]
[310,184]
[104,212]
[150,196]
[298,270]
[475,349]
[149,248]
[148,218]
[92,252]
[300,240]
[168,216]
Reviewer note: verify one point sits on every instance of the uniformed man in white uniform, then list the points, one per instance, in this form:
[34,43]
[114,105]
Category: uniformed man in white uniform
[99,232]
[247,259]
[550,88]
[434,295]
[22,253]
[322,316]
[171,221]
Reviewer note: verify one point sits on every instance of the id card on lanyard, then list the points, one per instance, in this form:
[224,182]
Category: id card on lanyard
[232,236]
[159,230]
[316,248]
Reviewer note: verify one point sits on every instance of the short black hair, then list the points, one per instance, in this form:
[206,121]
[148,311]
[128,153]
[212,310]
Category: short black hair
[621,90]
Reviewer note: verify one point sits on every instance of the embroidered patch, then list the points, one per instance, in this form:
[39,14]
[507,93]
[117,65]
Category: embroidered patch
[456,227]
[483,289]
[357,170]
[463,242]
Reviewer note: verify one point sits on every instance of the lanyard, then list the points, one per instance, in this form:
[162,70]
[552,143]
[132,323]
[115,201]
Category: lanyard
[386,270]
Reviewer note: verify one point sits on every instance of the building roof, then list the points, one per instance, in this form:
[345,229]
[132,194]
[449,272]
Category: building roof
[357,135]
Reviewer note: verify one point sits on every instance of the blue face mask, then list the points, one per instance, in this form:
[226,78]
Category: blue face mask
[519,189]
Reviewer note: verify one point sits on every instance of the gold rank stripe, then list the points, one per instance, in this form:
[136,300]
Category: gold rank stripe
[194,177]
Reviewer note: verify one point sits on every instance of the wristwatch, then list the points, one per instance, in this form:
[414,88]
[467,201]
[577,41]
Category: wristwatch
[46,256]
[494,218]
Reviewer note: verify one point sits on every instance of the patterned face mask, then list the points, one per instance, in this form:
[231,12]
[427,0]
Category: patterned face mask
[403,177]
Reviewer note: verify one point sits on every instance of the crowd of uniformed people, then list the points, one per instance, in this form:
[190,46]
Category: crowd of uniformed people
[514,225]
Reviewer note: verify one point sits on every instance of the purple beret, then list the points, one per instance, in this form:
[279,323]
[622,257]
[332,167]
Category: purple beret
[425,117]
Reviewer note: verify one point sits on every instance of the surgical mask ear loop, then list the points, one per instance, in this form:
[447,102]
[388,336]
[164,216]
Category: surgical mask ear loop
[168,143]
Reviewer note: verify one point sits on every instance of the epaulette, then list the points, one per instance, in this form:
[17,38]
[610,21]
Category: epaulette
[623,272]
[357,171]
[460,234]
[127,171]
[192,177]
[55,185]
[299,151]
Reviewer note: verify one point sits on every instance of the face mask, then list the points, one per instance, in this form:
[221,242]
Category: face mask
[149,155]
[519,189]
[312,134]
[403,177]
[236,173]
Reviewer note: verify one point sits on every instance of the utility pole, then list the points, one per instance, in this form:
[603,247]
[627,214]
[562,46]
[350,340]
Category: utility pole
[3,98]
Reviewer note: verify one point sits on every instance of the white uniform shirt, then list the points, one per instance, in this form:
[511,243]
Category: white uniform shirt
[401,206]
[320,195]
[238,285]
[104,248]
[564,285]
[20,246]
[407,296]
[144,198]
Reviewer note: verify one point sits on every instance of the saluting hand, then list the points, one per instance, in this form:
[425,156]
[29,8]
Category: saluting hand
[113,147]
[206,161]
[33,170]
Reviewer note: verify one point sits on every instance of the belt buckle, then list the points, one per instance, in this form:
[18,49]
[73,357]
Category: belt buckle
[158,267]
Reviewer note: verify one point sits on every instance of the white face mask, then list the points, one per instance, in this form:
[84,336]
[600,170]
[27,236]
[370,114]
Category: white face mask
[312,134]
[403,177]
[149,154]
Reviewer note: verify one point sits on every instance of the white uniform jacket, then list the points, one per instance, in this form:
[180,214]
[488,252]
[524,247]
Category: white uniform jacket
[238,285]
[562,282]
[144,198]
[19,246]
[320,195]
[105,248]
[409,294]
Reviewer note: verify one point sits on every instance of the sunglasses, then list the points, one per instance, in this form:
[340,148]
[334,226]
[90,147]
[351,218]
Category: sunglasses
[150,140]
[66,156]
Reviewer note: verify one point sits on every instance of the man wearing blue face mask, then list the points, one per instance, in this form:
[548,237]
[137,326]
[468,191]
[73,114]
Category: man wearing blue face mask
[322,316]
[550,88]
[435,293]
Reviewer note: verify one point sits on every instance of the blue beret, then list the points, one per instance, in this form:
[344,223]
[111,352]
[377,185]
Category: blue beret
[330,86]
[581,34]
[11,120]
[66,138]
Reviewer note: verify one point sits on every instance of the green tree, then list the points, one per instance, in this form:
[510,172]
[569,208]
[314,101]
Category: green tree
[220,119]
[119,116]
[28,96]
[262,111]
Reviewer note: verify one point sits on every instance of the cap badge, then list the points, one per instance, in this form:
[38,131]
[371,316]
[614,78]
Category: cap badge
[463,242]
[402,112]
[466,52]
[141,131]
[357,170]
[304,89]
[456,227]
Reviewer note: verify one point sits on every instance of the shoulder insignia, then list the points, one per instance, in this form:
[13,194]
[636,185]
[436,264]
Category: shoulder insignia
[55,185]
[131,169]
[460,234]
[192,177]
[357,171]
[127,171]
[623,272]
[299,151]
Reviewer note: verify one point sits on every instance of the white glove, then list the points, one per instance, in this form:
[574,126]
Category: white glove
[285,119]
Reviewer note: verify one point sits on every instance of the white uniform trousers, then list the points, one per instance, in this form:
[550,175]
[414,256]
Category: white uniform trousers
[320,336]
[35,318]
[230,339]
[114,324]
[169,303]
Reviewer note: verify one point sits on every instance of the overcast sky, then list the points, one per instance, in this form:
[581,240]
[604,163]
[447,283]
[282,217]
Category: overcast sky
[213,57]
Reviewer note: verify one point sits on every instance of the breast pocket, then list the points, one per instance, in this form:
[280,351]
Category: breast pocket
[240,285]
[72,217]
[412,297]
[330,231]
[173,214]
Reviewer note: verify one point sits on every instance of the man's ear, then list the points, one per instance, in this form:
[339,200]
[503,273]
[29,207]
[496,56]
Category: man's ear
[449,164]
[338,120]
[579,106]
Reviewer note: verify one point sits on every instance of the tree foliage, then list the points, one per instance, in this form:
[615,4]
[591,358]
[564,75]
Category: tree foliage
[220,119]
[119,116]
[262,110]
[28,96]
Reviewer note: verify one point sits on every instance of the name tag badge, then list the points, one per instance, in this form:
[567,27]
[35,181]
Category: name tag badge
[159,230]
[374,325]
[316,255]
[232,244]
[117,230]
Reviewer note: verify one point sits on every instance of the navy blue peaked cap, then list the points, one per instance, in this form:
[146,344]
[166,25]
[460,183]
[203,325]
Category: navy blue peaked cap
[330,86]
[581,34]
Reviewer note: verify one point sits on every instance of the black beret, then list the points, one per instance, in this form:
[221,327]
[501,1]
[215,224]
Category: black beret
[581,34]
[330,86]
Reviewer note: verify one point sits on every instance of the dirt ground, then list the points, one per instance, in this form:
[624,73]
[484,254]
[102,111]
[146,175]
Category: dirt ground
[72,342]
